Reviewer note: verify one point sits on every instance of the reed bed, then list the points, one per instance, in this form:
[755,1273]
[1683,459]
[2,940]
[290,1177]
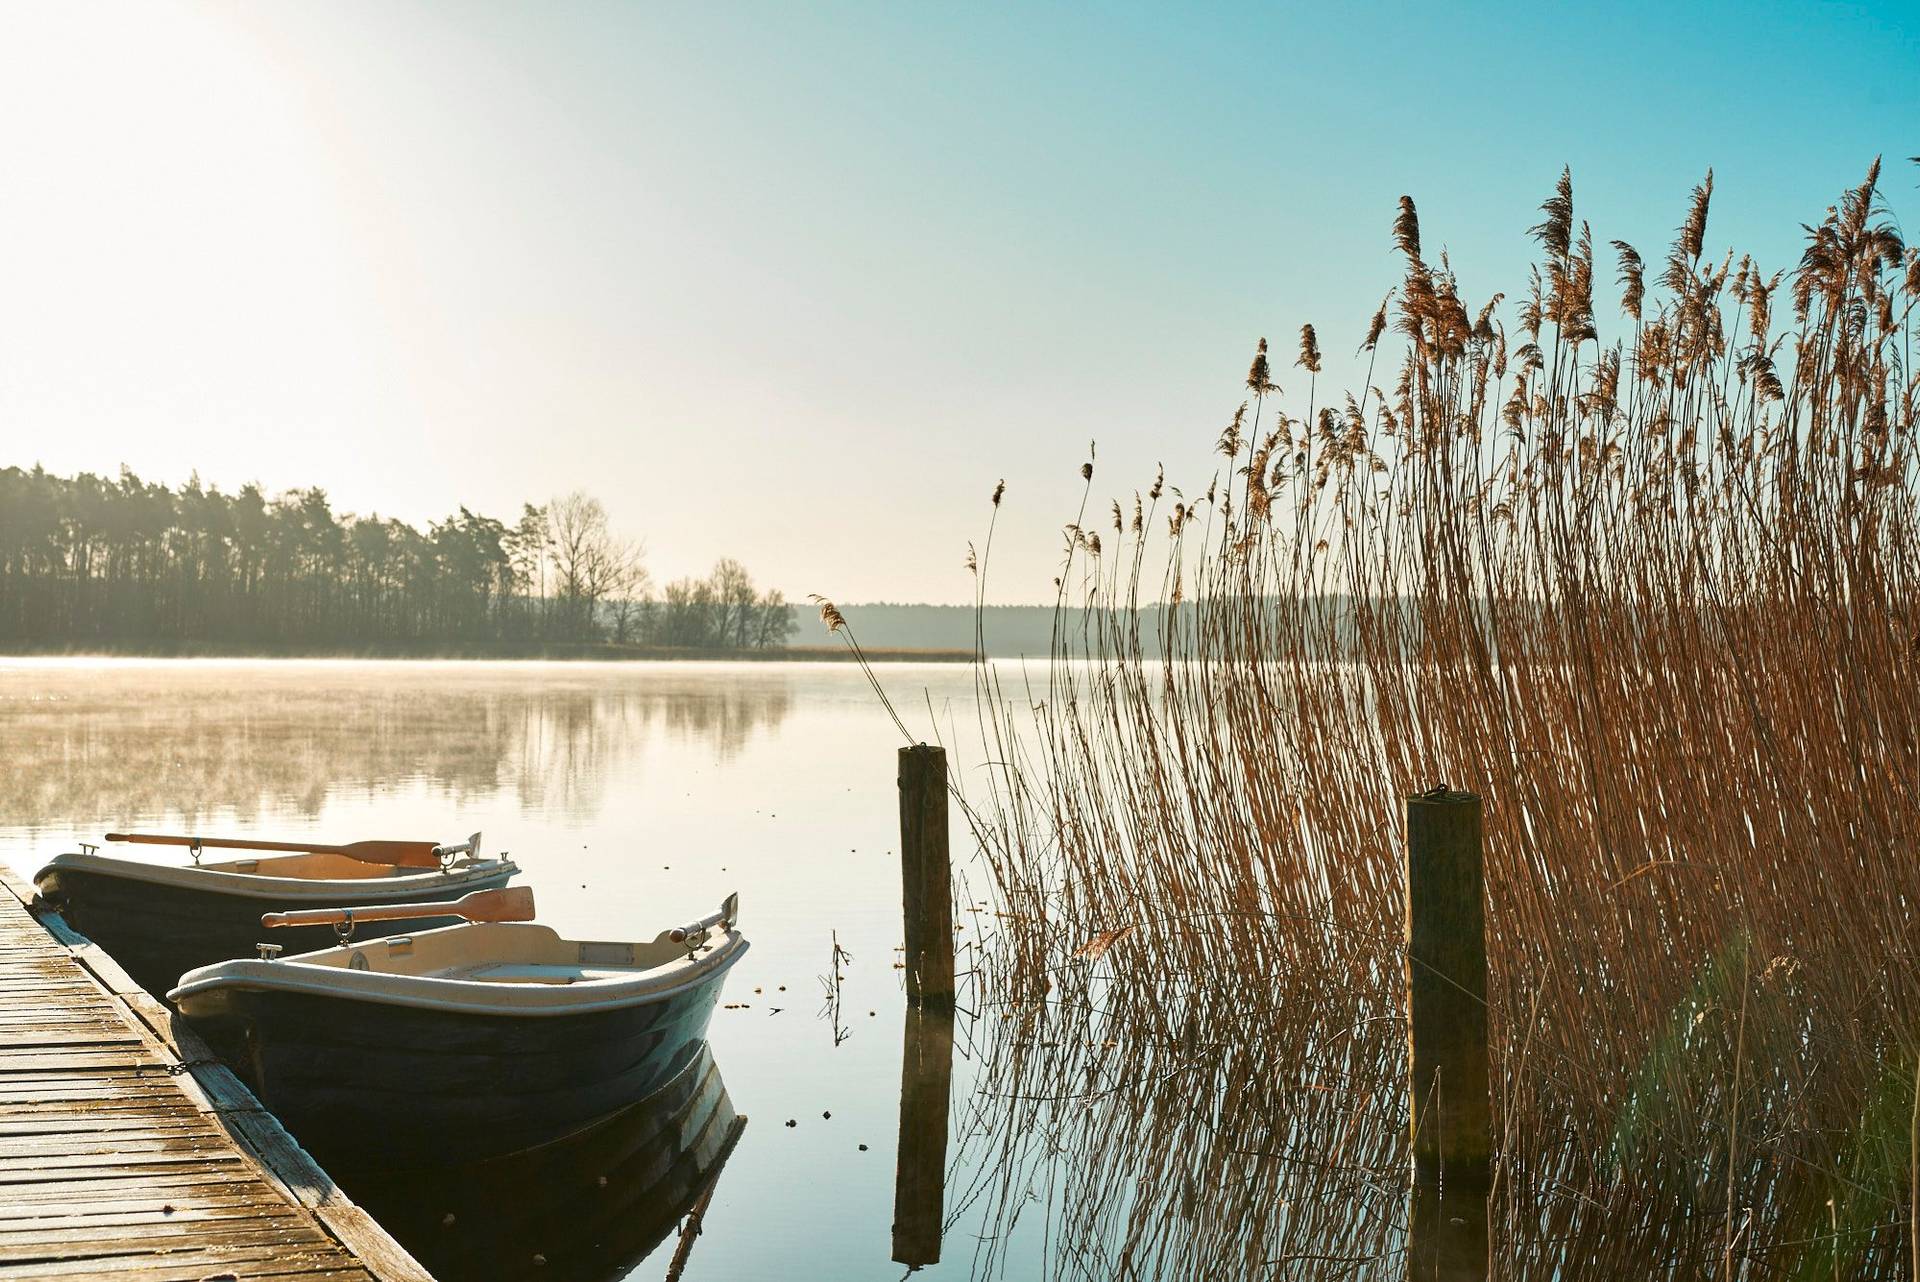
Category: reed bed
[1639,569]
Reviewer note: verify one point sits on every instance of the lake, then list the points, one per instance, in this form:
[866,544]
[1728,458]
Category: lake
[1137,1129]
[634,797]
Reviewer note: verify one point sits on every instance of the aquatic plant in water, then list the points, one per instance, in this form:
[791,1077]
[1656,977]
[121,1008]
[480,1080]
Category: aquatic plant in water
[1640,571]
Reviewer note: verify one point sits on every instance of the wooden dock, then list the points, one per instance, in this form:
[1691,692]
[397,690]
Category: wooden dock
[127,1152]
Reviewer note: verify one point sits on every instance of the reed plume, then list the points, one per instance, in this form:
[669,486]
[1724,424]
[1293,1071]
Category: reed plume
[1260,374]
[1653,597]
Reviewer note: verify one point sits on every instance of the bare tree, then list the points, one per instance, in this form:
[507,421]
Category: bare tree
[619,578]
[686,614]
[576,524]
[733,598]
[775,622]
[590,563]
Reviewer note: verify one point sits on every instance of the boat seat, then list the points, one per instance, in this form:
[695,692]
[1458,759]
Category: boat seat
[510,973]
[530,973]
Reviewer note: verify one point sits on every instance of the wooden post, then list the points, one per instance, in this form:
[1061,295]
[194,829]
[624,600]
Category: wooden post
[1447,989]
[925,877]
[920,1171]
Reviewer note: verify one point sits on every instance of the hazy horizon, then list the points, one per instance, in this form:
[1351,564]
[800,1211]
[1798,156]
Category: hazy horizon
[800,288]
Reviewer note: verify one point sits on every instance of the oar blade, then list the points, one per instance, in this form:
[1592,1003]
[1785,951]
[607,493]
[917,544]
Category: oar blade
[400,854]
[509,903]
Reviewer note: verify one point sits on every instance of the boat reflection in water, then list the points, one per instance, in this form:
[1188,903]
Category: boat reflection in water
[586,1207]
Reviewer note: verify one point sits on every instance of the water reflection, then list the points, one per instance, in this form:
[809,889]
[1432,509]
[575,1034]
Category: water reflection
[920,1168]
[583,1209]
[1231,1121]
[119,741]
[1154,1121]
[1447,1233]
[775,780]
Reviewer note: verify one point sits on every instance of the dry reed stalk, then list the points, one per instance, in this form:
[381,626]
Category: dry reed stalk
[1654,600]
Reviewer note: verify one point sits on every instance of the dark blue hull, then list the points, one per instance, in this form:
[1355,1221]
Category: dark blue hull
[157,932]
[364,1083]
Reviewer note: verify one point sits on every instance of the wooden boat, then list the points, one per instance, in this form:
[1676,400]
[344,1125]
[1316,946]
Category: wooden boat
[160,920]
[585,1208]
[463,1042]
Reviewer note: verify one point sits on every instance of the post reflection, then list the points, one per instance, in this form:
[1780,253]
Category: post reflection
[920,1172]
[1447,1233]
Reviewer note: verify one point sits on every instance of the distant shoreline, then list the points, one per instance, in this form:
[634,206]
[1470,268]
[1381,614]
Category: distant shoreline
[589,651]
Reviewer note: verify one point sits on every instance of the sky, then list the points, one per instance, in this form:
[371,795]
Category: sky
[798,284]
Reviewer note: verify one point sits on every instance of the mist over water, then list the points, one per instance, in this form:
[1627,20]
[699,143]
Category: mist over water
[634,796]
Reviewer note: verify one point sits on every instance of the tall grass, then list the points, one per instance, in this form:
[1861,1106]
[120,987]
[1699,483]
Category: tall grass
[1637,564]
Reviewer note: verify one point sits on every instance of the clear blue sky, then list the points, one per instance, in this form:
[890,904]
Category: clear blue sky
[798,284]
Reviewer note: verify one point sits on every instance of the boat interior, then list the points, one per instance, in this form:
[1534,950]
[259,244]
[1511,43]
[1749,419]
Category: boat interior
[311,867]
[517,953]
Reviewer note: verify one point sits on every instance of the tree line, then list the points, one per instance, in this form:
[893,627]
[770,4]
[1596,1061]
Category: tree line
[87,560]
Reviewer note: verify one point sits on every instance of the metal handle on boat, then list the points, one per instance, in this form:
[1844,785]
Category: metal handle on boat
[728,915]
[470,848]
[510,903]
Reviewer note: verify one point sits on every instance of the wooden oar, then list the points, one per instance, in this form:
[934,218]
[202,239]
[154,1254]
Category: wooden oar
[402,854]
[511,903]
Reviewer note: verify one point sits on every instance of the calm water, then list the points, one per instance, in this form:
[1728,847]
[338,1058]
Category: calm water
[635,797]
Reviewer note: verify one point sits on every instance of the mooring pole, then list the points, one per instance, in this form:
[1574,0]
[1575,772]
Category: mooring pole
[1447,989]
[926,1059]
[926,880]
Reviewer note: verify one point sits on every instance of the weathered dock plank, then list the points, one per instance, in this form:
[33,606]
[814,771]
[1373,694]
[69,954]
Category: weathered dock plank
[128,1152]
